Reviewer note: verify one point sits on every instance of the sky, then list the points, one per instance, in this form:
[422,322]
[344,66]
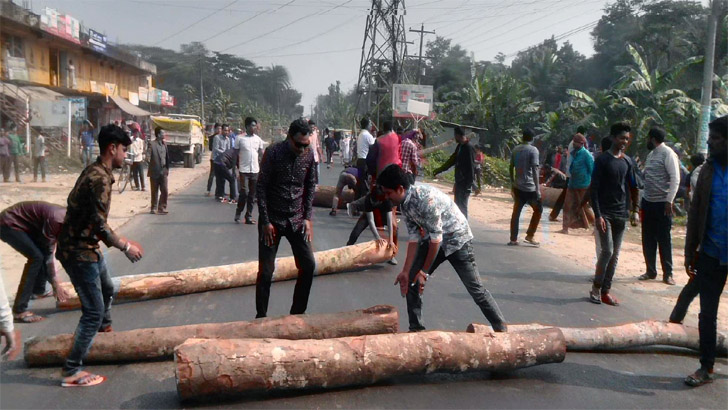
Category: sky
[320,41]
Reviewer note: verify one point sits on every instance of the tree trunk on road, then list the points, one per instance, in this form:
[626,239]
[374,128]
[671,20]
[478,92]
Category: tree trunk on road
[426,151]
[647,333]
[159,343]
[182,282]
[208,368]
[550,195]
[324,197]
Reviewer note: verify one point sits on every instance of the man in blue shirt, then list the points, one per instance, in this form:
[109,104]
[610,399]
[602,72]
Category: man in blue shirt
[86,135]
[706,245]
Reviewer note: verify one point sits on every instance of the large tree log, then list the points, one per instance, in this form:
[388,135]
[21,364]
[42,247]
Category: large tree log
[630,335]
[233,367]
[182,282]
[549,196]
[159,343]
[324,197]
[434,148]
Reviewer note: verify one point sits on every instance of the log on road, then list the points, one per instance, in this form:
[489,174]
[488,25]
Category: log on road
[182,282]
[159,343]
[630,335]
[210,368]
[324,197]
[549,196]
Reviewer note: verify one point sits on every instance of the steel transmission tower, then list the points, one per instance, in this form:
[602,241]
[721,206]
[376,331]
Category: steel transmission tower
[382,54]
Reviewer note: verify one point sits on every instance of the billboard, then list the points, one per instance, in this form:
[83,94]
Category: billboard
[61,25]
[96,40]
[403,93]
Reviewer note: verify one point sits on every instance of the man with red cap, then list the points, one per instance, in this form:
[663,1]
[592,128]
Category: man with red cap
[581,167]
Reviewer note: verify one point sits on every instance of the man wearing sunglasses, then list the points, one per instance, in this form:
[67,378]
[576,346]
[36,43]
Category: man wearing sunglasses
[285,191]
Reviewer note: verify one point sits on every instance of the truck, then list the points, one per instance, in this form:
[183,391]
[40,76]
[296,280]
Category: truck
[185,137]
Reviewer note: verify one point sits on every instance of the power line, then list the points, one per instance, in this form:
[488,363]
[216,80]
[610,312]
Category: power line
[314,53]
[221,32]
[560,36]
[307,39]
[195,23]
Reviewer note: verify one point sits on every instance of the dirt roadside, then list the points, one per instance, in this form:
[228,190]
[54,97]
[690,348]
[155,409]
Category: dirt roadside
[55,190]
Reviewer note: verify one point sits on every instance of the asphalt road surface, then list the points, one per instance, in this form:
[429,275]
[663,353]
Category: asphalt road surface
[529,284]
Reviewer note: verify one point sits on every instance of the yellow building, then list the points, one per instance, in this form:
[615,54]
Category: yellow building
[49,59]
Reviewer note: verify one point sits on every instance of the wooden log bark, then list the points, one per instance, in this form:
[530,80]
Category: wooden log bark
[209,368]
[182,282]
[324,197]
[434,148]
[159,343]
[630,335]
[549,196]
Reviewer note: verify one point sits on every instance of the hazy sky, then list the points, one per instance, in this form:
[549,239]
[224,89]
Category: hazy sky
[320,41]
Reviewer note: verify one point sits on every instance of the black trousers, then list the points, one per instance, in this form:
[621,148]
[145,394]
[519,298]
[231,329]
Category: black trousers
[222,175]
[211,176]
[159,192]
[305,262]
[688,293]
[35,275]
[656,227]
[246,196]
[362,186]
[711,278]
[462,196]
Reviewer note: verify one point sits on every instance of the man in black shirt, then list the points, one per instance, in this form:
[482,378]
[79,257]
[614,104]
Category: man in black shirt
[611,187]
[286,186]
[464,160]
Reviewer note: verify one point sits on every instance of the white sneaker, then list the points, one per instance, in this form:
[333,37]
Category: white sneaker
[392,261]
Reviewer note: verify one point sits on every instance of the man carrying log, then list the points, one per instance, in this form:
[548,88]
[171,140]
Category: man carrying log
[32,228]
[706,244]
[438,231]
[286,187]
[78,250]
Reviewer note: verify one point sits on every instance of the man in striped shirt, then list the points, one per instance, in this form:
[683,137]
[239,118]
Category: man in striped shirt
[408,155]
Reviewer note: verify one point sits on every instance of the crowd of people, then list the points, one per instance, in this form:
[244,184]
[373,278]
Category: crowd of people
[282,180]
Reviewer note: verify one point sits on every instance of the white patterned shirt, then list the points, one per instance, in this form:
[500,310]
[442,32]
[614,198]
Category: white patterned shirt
[426,207]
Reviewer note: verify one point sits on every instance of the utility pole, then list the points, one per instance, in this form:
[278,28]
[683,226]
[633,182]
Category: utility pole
[420,57]
[202,94]
[702,143]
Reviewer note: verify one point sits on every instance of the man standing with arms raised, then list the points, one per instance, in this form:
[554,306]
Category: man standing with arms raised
[78,250]
[286,187]
[250,152]
[662,180]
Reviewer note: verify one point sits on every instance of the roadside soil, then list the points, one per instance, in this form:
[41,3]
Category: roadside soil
[56,189]
[493,207]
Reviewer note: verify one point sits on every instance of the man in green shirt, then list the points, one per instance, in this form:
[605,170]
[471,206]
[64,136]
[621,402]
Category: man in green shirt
[17,148]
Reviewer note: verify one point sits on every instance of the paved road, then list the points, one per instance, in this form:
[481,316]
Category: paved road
[529,284]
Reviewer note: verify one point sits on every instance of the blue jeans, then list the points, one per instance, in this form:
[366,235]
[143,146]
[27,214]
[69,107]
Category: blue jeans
[610,242]
[463,261]
[86,156]
[96,291]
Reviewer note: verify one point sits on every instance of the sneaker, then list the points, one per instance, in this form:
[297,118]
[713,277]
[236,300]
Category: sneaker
[224,200]
[392,261]
[531,241]
[333,212]
[645,276]
[249,221]
[610,300]
[594,296]
[232,201]
[513,243]
[237,218]
[669,281]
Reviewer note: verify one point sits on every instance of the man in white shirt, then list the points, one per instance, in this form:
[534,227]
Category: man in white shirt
[363,143]
[316,147]
[662,180]
[137,166]
[250,153]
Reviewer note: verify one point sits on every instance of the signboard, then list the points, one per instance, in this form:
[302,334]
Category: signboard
[17,69]
[110,89]
[418,108]
[403,93]
[61,25]
[96,40]
[96,87]
[143,94]
[134,98]
[78,108]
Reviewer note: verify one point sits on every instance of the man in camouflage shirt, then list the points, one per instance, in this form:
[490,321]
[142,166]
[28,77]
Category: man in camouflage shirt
[78,250]
[438,231]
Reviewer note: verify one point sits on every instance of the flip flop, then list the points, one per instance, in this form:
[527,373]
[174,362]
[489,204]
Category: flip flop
[85,381]
[29,318]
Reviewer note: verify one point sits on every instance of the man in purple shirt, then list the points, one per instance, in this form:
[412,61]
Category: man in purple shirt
[32,229]
[285,190]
